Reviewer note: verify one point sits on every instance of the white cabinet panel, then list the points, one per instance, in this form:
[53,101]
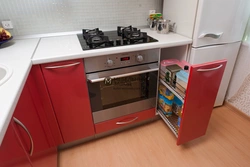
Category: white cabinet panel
[226,17]
[218,52]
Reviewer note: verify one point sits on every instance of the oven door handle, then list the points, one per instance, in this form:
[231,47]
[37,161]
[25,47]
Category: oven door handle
[122,75]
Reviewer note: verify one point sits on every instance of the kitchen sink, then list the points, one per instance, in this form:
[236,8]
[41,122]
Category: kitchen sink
[5,73]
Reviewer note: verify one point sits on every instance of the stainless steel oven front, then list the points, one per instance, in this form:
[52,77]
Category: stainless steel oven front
[121,84]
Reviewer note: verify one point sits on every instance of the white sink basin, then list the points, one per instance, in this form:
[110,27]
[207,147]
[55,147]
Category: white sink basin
[5,73]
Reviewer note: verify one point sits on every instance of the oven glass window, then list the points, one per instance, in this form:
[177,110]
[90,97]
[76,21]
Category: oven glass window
[120,91]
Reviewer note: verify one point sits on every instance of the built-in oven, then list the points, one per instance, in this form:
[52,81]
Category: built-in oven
[121,84]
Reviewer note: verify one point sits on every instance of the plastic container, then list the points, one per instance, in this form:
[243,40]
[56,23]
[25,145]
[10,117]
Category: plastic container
[182,78]
[165,104]
[177,106]
[165,92]
[171,73]
[165,63]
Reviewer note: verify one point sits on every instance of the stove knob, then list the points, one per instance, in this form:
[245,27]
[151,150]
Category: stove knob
[139,58]
[110,62]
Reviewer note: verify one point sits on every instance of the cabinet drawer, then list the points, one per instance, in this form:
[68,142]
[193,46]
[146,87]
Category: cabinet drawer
[125,120]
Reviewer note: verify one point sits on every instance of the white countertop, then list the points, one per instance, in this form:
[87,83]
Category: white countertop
[68,47]
[17,55]
[21,54]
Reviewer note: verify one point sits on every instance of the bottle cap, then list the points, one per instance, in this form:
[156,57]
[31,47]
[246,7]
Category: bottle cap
[186,67]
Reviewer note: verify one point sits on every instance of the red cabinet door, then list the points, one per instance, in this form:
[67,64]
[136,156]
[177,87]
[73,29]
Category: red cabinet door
[203,84]
[12,154]
[29,125]
[41,98]
[32,129]
[66,83]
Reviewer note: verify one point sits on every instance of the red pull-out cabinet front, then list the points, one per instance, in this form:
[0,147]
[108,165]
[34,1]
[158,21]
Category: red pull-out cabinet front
[203,84]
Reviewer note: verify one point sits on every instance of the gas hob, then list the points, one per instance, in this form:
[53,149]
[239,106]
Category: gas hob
[97,39]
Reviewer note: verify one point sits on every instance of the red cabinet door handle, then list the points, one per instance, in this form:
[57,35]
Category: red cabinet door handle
[63,66]
[210,69]
[127,122]
[27,131]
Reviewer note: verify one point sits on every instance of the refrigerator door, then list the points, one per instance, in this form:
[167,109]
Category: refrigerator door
[213,53]
[220,21]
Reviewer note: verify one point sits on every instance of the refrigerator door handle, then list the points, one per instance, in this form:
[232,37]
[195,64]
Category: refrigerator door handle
[211,35]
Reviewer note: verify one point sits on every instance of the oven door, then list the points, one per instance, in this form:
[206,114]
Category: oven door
[119,92]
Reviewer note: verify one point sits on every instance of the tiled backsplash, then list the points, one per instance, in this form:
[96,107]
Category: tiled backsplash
[31,17]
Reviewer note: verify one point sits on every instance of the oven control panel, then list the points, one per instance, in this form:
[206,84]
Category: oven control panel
[120,60]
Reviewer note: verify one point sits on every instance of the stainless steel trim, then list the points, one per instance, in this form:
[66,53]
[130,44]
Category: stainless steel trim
[210,69]
[115,112]
[99,63]
[122,75]
[63,66]
[211,35]
[123,123]
[27,131]
[169,124]
[100,76]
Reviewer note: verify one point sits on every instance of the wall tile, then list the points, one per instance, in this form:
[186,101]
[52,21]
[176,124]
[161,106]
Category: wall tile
[49,16]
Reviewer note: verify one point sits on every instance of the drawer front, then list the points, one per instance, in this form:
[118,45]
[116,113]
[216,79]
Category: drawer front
[125,120]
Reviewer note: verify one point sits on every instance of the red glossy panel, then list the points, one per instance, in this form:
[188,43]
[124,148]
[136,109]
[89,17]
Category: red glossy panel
[43,104]
[201,92]
[68,91]
[12,153]
[111,124]
[26,113]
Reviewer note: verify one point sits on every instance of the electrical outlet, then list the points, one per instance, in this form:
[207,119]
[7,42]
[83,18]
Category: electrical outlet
[151,11]
[7,24]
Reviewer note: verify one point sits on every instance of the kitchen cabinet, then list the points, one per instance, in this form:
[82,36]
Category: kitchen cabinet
[198,99]
[67,87]
[32,128]
[124,120]
[26,115]
[12,152]
[41,98]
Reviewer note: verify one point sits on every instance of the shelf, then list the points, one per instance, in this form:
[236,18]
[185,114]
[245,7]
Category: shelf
[172,89]
[170,121]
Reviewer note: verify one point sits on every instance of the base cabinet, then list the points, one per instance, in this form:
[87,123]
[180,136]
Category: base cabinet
[197,101]
[67,87]
[41,98]
[29,130]
[32,129]
[12,153]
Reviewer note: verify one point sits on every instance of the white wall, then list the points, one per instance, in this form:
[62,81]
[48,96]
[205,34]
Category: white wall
[238,93]
[50,16]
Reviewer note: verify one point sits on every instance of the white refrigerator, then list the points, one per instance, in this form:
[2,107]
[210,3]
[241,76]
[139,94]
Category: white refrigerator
[216,27]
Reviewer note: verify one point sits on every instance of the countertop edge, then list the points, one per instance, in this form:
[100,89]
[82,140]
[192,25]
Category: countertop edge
[102,52]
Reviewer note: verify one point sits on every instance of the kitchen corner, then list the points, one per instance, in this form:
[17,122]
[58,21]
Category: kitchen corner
[21,54]
[131,83]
